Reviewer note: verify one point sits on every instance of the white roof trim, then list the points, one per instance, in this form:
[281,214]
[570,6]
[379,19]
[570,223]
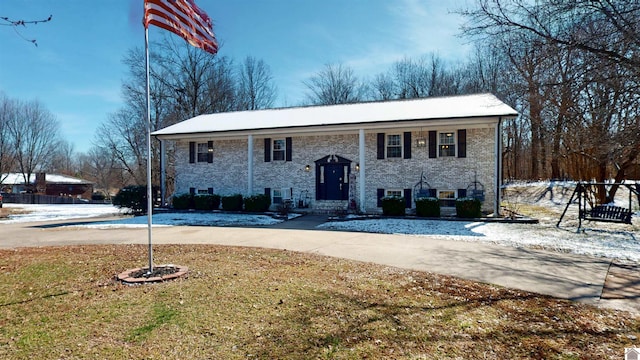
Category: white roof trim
[485,108]
[18,179]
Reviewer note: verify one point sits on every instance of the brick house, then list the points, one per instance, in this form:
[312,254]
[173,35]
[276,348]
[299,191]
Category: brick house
[350,155]
[47,184]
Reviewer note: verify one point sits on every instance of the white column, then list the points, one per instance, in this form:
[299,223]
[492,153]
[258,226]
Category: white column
[250,165]
[361,177]
[163,173]
[498,174]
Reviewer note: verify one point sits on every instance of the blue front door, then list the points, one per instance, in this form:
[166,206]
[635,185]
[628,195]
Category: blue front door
[334,181]
[332,178]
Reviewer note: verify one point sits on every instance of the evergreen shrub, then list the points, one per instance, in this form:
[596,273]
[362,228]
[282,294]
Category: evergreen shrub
[232,202]
[428,207]
[132,197]
[393,206]
[257,203]
[468,208]
[183,202]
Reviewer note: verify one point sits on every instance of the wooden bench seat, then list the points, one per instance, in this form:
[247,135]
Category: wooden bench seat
[608,213]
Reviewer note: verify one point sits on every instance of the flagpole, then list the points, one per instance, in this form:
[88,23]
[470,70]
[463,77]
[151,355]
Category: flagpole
[149,187]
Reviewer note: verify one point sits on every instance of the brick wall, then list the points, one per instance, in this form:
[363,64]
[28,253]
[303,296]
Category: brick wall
[228,172]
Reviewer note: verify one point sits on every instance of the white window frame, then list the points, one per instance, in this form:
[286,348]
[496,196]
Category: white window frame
[447,146]
[394,193]
[387,145]
[281,195]
[444,201]
[202,156]
[202,191]
[280,150]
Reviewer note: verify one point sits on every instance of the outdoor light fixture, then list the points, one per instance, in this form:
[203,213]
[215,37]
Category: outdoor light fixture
[307,168]
[421,141]
[357,167]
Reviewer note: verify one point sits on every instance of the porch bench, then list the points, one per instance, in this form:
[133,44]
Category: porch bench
[605,213]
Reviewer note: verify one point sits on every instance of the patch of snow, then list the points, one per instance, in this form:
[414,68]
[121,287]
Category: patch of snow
[606,242]
[188,219]
[37,212]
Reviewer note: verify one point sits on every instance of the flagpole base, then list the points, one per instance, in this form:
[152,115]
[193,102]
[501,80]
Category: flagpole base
[160,273]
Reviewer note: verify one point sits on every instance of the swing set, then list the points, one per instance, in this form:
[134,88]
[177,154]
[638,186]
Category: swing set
[589,208]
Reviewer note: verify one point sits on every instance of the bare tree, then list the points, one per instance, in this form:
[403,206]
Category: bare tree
[410,78]
[578,67]
[8,112]
[383,87]
[255,85]
[123,135]
[63,159]
[34,133]
[335,84]
[100,167]
[608,29]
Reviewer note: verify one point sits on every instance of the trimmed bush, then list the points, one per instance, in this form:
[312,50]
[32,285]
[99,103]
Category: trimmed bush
[257,203]
[206,202]
[232,202]
[468,208]
[392,206]
[98,196]
[133,197]
[183,202]
[428,207]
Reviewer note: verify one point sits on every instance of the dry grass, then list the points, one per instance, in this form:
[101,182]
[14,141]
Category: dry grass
[5,212]
[62,303]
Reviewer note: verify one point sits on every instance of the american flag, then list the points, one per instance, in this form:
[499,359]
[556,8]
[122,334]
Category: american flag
[183,18]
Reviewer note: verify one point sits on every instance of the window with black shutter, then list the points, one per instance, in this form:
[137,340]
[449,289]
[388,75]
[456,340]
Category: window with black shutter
[446,144]
[379,196]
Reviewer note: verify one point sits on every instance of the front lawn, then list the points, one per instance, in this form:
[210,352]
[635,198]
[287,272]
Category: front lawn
[238,303]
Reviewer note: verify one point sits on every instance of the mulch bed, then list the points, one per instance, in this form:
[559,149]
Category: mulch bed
[158,274]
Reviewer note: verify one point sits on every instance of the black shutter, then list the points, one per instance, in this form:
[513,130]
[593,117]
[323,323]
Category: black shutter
[433,193]
[288,149]
[380,145]
[433,144]
[192,191]
[267,191]
[267,149]
[192,152]
[407,198]
[407,145]
[380,193]
[462,143]
[210,191]
[462,193]
[210,151]
[320,188]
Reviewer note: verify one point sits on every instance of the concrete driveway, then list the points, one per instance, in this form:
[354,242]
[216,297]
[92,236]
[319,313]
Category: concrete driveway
[579,278]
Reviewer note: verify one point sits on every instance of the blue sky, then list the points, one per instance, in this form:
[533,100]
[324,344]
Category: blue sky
[76,70]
